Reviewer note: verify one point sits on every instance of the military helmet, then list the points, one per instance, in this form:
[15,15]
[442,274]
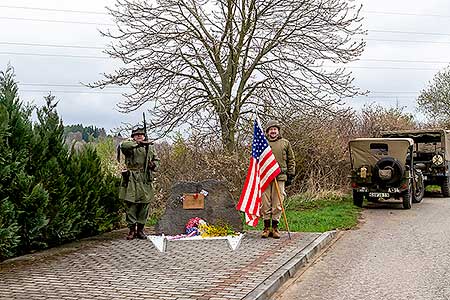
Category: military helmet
[273,123]
[137,130]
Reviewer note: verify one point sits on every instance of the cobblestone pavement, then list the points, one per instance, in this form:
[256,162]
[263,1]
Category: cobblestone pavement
[114,268]
[396,254]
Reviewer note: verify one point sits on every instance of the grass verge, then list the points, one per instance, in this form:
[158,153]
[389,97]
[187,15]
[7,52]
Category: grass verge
[433,189]
[306,213]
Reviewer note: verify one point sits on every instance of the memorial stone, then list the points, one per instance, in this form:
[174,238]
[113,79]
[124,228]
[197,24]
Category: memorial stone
[219,206]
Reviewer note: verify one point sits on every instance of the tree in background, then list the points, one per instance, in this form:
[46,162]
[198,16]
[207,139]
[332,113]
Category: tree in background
[434,100]
[210,63]
[107,151]
[87,133]
[374,119]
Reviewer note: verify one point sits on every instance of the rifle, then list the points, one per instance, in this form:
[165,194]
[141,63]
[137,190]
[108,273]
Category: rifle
[118,153]
[146,146]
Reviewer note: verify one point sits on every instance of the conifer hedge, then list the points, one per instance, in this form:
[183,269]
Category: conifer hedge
[49,195]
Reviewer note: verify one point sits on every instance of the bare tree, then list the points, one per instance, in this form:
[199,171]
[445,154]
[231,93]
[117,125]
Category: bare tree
[373,119]
[209,63]
[435,99]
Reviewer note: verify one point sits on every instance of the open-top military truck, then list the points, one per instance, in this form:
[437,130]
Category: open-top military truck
[382,170]
[431,155]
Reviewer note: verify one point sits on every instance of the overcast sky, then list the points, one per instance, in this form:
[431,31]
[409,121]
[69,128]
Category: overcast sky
[408,41]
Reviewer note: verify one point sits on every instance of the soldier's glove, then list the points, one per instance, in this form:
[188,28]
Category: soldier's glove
[151,165]
[289,180]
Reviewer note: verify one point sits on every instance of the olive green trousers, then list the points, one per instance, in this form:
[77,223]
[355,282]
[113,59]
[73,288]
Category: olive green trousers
[137,213]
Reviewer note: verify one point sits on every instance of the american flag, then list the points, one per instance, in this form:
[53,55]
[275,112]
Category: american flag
[263,169]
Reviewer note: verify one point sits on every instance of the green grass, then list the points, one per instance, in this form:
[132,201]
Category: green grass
[306,214]
[433,188]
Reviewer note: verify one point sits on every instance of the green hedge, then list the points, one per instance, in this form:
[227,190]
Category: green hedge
[48,194]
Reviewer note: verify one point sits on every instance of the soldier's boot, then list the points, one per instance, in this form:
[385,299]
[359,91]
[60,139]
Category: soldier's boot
[275,231]
[266,232]
[270,231]
[140,232]
[132,233]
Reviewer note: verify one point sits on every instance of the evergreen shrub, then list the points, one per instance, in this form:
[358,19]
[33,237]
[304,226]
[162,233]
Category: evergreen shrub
[48,195]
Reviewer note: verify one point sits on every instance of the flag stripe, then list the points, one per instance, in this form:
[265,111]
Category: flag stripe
[246,190]
[250,206]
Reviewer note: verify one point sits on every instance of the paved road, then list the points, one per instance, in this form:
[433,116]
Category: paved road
[396,254]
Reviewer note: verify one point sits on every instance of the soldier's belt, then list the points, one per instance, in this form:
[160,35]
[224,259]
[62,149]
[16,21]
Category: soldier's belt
[136,169]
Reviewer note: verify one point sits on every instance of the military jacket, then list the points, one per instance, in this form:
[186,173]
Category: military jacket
[137,186]
[282,150]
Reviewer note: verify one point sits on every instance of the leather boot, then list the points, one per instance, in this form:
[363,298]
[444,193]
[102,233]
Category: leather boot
[132,233]
[140,232]
[275,231]
[266,232]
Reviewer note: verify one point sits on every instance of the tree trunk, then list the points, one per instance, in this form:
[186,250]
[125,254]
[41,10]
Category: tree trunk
[227,127]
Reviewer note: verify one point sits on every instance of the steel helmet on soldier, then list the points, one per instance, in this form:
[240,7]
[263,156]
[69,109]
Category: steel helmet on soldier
[137,130]
[273,123]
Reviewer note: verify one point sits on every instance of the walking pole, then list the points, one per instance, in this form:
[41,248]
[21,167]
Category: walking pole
[282,208]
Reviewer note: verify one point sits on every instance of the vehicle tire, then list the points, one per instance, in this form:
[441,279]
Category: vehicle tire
[445,188]
[407,197]
[357,199]
[420,188]
[386,163]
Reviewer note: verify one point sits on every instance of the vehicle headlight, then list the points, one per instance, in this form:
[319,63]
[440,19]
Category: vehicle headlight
[437,160]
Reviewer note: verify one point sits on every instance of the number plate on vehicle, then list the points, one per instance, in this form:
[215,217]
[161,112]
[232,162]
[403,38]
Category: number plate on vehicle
[378,195]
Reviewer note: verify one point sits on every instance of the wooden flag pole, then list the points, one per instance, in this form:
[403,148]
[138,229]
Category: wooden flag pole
[282,208]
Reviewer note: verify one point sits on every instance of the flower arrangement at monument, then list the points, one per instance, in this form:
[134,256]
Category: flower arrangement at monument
[193,226]
[216,230]
[197,226]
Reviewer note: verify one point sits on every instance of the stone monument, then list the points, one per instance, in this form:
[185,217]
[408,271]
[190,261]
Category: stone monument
[218,206]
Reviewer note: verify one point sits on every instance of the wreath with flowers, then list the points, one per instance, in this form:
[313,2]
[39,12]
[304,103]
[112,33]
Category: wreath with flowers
[193,226]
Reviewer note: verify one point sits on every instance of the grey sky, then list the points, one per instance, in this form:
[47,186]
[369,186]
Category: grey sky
[406,36]
[407,43]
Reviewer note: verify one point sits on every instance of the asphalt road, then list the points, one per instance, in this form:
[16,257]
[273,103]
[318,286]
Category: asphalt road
[394,254]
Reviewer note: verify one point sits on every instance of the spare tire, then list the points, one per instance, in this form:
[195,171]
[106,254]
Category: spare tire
[387,165]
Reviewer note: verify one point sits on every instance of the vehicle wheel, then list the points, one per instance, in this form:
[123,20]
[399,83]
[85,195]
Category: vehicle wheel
[420,188]
[445,188]
[407,197]
[357,198]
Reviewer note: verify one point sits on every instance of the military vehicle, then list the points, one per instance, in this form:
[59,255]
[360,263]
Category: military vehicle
[382,170]
[431,155]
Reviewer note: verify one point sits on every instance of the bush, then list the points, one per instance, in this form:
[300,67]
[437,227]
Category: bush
[9,230]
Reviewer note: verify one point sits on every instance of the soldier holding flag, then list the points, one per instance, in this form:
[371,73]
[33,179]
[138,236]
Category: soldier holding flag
[137,181]
[261,177]
[271,208]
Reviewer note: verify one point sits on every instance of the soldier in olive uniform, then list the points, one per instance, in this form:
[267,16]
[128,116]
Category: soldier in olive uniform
[271,208]
[137,181]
